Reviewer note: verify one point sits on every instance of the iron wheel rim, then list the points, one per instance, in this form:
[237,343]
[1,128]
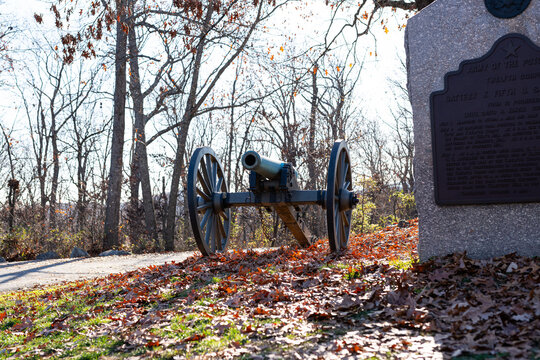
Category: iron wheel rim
[339,178]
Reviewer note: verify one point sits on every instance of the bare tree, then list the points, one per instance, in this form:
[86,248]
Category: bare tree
[208,33]
[402,150]
[42,111]
[147,23]
[362,16]
[7,32]
[180,64]
[283,124]
[114,189]
[13,183]
[311,150]
[52,96]
[85,129]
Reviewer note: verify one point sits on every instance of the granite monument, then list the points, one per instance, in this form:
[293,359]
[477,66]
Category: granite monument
[474,84]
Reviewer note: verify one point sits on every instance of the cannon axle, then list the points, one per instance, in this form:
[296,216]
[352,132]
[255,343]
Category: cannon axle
[293,198]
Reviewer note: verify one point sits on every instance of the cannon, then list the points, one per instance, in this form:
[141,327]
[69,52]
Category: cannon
[272,184]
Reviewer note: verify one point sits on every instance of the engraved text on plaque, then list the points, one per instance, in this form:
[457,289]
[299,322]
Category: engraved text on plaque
[486,127]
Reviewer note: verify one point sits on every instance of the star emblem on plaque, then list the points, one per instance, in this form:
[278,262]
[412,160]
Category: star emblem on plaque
[511,50]
[506,9]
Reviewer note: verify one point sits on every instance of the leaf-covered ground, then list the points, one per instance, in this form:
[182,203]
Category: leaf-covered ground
[372,302]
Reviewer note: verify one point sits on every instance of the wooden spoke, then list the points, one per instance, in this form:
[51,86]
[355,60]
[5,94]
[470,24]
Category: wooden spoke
[224,215]
[203,194]
[214,234]
[210,169]
[209,230]
[345,219]
[214,176]
[205,218]
[221,229]
[337,227]
[206,174]
[222,233]
[342,234]
[344,175]
[204,183]
[208,162]
[204,206]
[220,182]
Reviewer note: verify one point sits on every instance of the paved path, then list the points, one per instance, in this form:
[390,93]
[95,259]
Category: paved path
[25,274]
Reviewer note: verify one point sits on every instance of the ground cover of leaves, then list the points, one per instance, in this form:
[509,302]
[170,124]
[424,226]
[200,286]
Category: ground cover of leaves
[374,301]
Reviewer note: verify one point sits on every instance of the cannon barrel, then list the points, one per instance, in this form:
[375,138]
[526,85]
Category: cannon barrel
[262,165]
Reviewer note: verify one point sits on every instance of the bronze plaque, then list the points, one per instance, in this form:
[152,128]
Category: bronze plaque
[486,127]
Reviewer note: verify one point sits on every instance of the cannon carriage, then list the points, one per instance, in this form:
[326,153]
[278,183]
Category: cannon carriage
[272,184]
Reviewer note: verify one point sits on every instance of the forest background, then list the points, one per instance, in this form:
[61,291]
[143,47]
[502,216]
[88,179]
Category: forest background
[103,102]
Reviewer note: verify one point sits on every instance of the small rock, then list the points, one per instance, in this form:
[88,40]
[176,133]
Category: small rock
[2,260]
[403,224]
[48,256]
[513,266]
[77,252]
[115,252]
[522,317]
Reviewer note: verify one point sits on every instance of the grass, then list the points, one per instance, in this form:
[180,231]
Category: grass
[403,264]
[64,324]
[335,266]
[353,273]
[201,333]
[57,327]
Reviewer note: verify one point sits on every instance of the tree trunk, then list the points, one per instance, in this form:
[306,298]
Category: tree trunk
[312,184]
[228,165]
[12,198]
[81,189]
[182,136]
[13,183]
[339,108]
[41,156]
[42,195]
[114,190]
[139,167]
[175,182]
[55,174]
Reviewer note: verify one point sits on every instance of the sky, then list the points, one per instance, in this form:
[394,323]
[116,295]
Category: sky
[305,29]
[305,25]
[388,46]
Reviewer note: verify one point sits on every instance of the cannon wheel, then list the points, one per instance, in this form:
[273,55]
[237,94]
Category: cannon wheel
[339,178]
[207,187]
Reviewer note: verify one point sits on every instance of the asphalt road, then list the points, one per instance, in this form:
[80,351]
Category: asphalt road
[26,274]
